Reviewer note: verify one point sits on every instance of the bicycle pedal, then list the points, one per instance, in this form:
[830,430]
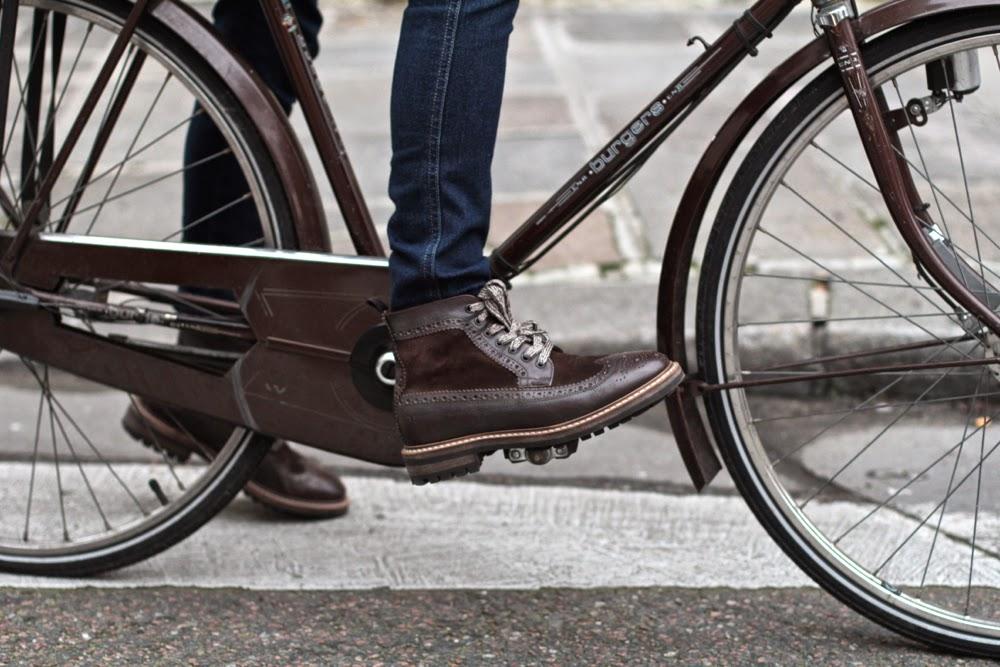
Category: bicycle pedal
[565,450]
[540,455]
[516,454]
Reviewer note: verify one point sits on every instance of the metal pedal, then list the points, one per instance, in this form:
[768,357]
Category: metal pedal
[516,455]
[540,455]
[565,450]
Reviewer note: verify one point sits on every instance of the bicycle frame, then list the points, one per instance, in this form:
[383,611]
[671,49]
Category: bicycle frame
[276,287]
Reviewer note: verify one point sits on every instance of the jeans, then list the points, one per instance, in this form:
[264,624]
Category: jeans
[446,93]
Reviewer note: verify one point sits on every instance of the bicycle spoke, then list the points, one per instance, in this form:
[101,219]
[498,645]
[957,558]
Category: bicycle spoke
[937,192]
[34,465]
[924,521]
[830,480]
[35,50]
[826,429]
[147,184]
[53,400]
[951,481]
[113,168]
[870,408]
[975,519]
[857,318]
[958,446]
[965,176]
[867,283]
[850,236]
[55,458]
[865,293]
[8,208]
[208,216]
[79,465]
[123,88]
[49,131]
[908,347]
[128,153]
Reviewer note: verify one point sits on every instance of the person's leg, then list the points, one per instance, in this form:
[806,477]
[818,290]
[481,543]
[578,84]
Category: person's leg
[446,94]
[212,184]
[286,480]
[470,379]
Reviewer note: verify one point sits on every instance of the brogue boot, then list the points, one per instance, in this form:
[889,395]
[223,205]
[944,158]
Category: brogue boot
[470,381]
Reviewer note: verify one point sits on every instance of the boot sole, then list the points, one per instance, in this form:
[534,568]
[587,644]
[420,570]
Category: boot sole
[440,461]
[141,424]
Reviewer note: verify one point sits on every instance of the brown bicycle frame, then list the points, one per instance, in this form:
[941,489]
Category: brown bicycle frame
[278,291]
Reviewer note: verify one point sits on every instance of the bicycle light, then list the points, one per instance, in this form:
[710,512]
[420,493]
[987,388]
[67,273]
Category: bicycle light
[958,73]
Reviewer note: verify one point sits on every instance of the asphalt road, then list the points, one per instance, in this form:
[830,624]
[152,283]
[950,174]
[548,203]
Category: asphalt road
[682,626]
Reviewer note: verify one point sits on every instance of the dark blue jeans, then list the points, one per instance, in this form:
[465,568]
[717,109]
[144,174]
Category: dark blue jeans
[446,93]
[447,88]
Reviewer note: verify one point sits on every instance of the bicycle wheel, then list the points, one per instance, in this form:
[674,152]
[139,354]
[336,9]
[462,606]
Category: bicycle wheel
[79,495]
[875,482]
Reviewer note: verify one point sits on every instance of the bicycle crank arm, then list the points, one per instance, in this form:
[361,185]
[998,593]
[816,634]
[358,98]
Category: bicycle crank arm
[948,271]
[304,375]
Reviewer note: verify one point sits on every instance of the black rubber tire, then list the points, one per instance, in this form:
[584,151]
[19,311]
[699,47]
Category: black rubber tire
[712,292]
[248,448]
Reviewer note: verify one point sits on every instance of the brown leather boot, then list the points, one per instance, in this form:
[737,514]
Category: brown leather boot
[471,381]
[285,480]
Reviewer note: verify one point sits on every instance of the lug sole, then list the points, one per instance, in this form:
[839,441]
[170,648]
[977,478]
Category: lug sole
[437,462]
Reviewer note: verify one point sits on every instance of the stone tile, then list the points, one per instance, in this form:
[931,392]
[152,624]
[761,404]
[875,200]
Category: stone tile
[539,114]
[623,26]
[531,165]
[591,243]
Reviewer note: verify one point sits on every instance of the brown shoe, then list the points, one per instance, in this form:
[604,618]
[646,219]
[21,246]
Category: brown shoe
[471,381]
[285,481]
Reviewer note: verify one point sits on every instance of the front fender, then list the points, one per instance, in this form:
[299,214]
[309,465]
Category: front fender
[690,429]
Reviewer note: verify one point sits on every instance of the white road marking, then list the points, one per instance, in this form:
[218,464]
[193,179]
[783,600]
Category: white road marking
[480,536]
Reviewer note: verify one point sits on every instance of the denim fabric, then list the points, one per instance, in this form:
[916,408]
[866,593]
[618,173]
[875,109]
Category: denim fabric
[446,93]
[447,88]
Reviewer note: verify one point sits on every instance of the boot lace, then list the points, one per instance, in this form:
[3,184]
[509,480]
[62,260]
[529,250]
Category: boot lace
[494,305]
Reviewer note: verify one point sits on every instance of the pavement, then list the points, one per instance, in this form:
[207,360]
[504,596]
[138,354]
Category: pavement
[606,558]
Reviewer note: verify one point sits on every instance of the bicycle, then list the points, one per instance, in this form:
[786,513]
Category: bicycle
[84,304]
